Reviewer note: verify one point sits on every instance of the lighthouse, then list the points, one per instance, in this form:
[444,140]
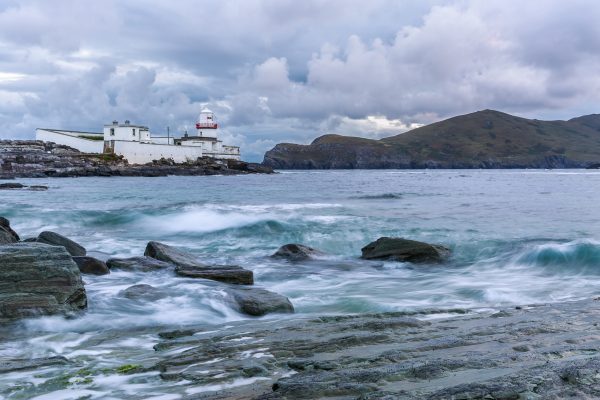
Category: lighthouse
[207,124]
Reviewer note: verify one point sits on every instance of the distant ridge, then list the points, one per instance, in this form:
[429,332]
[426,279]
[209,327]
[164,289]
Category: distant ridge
[483,139]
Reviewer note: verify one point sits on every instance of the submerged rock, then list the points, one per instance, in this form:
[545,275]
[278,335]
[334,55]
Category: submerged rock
[143,292]
[54,239]
[188,266]
[11,185]
[297,252]
[7,235]
[143,264]
[37,279]
[257,302]
[91,265]
[398,249]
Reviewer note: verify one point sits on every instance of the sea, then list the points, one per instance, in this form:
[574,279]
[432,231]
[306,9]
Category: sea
[517,237]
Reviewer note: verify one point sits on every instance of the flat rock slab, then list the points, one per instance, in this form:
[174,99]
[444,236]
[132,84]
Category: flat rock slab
[395,356]
[222,273]
[404,250]
[37,279]
[55,239]
[258,302]
[142,264]
[188,266]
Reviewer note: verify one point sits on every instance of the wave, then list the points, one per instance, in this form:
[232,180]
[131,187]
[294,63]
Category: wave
[575,256]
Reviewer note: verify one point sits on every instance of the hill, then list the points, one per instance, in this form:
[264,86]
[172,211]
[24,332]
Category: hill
[483,139]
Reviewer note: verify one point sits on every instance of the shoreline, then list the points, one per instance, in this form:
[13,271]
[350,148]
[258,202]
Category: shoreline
[37,159]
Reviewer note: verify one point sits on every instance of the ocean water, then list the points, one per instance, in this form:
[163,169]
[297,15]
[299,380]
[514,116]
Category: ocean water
[517,237]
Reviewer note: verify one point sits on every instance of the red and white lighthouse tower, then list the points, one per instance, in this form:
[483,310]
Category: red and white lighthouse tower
[207,124]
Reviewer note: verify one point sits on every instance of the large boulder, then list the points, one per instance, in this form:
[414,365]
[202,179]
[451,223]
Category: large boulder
[54,239]
[188,266]
[142,264]
[37,279]
[404,250]
[91,266]
[297,252]
[257,302]
[7,235]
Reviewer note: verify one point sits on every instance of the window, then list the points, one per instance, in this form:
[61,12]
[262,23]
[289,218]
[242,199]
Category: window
[112,131]
[133,131]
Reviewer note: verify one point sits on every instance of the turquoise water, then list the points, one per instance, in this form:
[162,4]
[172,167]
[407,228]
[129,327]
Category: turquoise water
[517,236]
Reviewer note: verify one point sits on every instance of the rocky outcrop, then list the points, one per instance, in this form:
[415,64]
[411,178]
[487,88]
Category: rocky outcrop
[55,239]
[258,302]
[142,264]
[404,250]
[537,352]
[297,252]
[187,265]
[91,266]
[7,234]
[38,279]
[37,159]
[484,139]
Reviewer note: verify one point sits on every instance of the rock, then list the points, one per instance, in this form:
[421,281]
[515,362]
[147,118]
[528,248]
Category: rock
[143,292]
[257,302]
[55,239]
[91,265]
[38,188]
[398,249]
[297,252]
[37,279]
[144,264]
[11,185]
[188,266]
[5,225]
[222,273]
[11,365]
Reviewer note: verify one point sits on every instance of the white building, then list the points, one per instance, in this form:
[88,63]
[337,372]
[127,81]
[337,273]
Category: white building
[136,144]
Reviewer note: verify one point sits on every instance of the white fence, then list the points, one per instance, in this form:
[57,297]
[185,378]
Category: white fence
[71,139]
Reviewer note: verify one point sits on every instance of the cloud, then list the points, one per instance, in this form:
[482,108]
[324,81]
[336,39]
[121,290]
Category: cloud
[289,71]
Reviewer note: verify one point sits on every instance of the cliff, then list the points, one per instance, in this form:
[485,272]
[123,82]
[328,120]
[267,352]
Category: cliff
[483,139]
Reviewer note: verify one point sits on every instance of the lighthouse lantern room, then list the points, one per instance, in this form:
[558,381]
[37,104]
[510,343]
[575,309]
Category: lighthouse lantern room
[207,124]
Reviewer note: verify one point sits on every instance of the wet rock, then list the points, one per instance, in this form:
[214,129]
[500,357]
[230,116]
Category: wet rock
[37,188]
[11,185]
[56,239]
[178,333]
[91,266]
[143,292]
[257,302]
[37,279]
[222,273]
[11,365]
[7,235]
[297,252]
[188,266]
[404,250]
[142,264]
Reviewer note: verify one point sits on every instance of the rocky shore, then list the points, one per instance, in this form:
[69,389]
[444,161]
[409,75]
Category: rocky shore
[37,159]
[544,351]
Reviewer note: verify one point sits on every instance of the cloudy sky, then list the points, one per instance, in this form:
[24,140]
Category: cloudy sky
[289,70]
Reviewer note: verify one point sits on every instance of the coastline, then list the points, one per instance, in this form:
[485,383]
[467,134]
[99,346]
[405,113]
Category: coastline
[37,159]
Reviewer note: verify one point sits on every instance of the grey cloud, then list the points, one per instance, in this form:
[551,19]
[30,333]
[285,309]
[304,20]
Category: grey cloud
[282,70]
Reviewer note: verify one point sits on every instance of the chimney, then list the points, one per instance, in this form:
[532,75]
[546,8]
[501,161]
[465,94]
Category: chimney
[115,122]
[126,122]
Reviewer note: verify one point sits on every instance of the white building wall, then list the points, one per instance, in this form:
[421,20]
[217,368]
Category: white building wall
[142,153]
[71,140]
